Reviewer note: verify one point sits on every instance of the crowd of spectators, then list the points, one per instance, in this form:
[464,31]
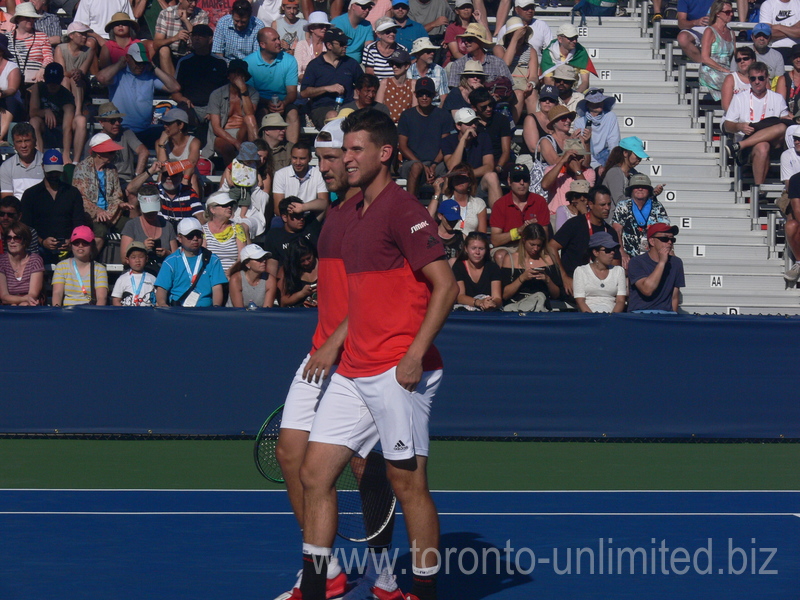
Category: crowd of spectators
[119,113]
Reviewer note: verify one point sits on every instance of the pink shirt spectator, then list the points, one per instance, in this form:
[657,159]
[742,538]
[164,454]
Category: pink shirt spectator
[558,191]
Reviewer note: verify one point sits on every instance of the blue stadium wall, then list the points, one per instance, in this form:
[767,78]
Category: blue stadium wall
[221,371]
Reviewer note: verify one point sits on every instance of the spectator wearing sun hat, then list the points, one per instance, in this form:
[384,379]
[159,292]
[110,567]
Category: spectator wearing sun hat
[97,13]
[541,36]
[30,49]
[121,31]
[596,118]
[565,50]
[98,183]
[76,56]
[376,55]
[635,214]
[397,91]
[479,45]
[307,50]
[356,27]
[423,52]
[132,84]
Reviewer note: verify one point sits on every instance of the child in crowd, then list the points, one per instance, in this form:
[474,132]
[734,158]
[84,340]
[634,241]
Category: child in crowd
[136,287]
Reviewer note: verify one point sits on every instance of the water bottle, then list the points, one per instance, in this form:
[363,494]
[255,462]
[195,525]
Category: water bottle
[252,306]
[275,100]
[339,102]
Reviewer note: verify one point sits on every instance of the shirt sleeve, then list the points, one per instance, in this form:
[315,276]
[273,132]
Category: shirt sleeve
[6,182]
[215,272]
[621,283]
[636,270]
[119,286]
[59,275]
[279,183]
[416,235]
[161,22]
[579,282]
[100,276]
[165,275]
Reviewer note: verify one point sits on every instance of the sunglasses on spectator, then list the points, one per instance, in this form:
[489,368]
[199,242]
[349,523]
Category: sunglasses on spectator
[230,205]
[115,120]
[726,12]
[517,178]
[758,78]
[296,216]
[572,39]
[424,93]
[547,100]
[13,238]
[81,243]
[742,59]
[606,250]
[10,214]
[193,235]
[666,240]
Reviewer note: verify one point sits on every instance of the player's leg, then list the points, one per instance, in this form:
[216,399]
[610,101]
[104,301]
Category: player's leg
[402,420]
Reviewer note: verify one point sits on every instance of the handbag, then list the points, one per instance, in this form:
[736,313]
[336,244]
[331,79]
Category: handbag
[537,170]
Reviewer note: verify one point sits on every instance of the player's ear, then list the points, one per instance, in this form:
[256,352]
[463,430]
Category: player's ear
[387,153]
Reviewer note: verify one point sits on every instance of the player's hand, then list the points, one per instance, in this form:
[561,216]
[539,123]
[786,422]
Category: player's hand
[320,364]
[408,373]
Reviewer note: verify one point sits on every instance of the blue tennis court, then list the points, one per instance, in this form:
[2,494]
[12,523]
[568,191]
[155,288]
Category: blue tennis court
[501,545]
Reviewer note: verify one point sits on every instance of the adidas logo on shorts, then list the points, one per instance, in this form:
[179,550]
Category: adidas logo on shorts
[400,446]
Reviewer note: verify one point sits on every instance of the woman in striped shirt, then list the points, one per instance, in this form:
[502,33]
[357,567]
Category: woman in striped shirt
[223,237]
[31,49]
[73,280]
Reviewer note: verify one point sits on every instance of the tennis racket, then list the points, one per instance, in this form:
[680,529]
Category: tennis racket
[365,496]
[264,451]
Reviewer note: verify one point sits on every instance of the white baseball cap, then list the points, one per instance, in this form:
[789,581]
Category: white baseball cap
[334,129]
[465,116]
[189,224]
[253,251]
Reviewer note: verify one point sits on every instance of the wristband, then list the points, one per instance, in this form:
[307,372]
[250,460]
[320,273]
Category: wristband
[514,234]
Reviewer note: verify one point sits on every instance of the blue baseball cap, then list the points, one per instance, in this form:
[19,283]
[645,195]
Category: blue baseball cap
[635,145]
[400,2]
[52,161]
[450,210]
[763,29]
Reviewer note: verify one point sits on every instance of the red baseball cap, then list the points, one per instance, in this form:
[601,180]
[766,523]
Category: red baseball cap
[657,228]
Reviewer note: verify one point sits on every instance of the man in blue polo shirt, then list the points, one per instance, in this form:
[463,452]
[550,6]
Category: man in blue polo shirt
[356,27]
[273,72]
[330,76]
[188,263]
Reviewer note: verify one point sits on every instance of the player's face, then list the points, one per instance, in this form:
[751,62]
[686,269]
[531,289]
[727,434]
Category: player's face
[331,166]
[601,207]
[362,158]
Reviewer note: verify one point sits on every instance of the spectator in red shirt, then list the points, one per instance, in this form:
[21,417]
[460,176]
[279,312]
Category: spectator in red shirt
[515,211]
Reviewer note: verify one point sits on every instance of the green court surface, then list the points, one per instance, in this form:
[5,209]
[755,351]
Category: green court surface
[454,465]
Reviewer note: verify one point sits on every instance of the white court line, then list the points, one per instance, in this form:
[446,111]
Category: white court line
[442,514]
[283,491]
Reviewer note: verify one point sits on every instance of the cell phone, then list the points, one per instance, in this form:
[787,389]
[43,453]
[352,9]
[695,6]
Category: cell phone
[61,241]
[156,243]
[540,268]
[588,124]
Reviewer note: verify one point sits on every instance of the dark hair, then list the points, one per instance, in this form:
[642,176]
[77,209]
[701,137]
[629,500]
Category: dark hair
[365,80]
[598,189]
[382,130]
[11,202]
[473,236]
[479,95]
[467,170]
[242,8]
[303,145]
[22,231]
[283,205]
[615,157]
[22,129]
[758,67]
[268,168]
[298,248]
[149,189]
[746,51]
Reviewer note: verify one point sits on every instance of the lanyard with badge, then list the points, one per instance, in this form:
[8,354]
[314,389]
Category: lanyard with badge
[80,279]
[194,296]
[137,289]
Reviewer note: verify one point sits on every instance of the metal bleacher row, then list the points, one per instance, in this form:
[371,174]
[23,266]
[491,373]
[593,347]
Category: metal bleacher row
[730,242]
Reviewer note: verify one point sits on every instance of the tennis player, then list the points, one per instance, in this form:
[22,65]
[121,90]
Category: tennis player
[401,290]
[313,376]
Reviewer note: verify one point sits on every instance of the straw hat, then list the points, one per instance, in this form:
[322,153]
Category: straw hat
[558,112]
[473,67]
[121,18]
[478,31]
[25,10]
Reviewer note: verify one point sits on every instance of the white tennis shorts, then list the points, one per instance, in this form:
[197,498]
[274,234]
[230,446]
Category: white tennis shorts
[302,400]
[357,413]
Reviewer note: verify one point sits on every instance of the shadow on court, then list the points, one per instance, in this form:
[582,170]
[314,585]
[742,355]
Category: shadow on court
[472,568]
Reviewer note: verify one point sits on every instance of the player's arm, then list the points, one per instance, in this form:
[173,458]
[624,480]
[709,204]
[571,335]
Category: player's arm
[319,365]
[443,296]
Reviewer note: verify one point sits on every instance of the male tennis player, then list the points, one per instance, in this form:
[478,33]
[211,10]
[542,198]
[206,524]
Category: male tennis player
[313,376]
[401,290]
